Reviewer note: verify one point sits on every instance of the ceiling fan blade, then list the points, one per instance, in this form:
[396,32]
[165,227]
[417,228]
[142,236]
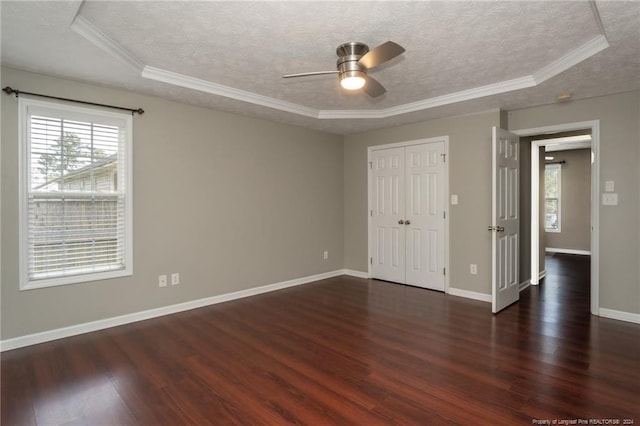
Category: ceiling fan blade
[383,53]
[373,88]
[307,74]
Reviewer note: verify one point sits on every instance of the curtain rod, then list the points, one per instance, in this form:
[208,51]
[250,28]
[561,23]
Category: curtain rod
[555,162]
[8,90]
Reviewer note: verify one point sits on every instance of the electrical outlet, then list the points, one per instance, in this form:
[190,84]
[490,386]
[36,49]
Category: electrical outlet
[175,279]
[326,255]
[162,280]
[473,268]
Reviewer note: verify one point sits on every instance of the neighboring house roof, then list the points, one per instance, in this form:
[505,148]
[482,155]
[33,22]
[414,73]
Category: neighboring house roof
[75,174]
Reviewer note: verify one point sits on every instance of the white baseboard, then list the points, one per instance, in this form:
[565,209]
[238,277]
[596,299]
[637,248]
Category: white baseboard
[542,274]
[59,333]
[567,251]
[619,315]
[483,297]
[358,274]
[524,284]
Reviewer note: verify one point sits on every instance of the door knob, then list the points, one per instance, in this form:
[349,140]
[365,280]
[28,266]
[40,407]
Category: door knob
[490,228]
[499,229]
[401,222]
[407,222]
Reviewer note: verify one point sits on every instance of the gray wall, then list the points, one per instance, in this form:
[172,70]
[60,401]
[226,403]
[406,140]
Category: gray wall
[229,202]
[271,198]
[619,225]
[575,210]
[469,178]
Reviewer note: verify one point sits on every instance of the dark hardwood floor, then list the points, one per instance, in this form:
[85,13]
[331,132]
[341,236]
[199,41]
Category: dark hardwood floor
[342,351]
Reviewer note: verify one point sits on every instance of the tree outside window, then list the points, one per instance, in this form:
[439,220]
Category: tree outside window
[552,184]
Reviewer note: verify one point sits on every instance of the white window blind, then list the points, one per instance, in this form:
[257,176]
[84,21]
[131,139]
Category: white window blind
[76,194]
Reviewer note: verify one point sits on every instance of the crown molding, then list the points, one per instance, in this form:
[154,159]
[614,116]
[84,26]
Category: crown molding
[464,95]
[587,50]
[188,82]
[341,114]
[93,35]
[90,32]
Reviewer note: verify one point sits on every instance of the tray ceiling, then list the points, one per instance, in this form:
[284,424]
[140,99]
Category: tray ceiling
[461,57]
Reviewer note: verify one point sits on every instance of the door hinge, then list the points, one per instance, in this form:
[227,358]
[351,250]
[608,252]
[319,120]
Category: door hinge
[444,158]
[371,164]
[444,215]
[370,212]
[444,271]
[371,260]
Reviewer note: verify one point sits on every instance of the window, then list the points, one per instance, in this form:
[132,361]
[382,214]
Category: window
[75,194]
[552,184]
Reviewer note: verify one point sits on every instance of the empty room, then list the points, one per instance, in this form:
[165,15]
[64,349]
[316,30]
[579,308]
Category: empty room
[316,212]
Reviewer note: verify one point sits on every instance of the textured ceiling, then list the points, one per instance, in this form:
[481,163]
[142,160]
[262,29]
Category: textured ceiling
[461,57]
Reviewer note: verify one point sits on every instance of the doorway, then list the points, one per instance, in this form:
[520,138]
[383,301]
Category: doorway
[546,133]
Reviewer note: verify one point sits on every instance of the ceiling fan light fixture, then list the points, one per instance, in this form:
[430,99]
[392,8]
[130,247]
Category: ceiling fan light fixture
[354,60]
[352,80]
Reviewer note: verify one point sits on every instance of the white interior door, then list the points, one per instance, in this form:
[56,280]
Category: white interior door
[407,202]
[387,214]
[424,218]
[505,219]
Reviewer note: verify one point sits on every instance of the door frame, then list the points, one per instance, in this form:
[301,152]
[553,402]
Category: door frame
[370,149]
[594,126]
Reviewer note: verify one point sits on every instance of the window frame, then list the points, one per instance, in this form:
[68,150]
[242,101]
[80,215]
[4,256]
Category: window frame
[558,168]
[25,106]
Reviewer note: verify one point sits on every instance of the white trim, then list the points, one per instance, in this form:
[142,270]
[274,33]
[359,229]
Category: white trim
[27,106]
[346,114]
[483,297]
[92,34]
[542,274]
[594,126]
[534,235]
[188,82]
[464,95]
[567,251]
[619,315]
[524,285]
[587,50]
[447,213]
[74,330]
[585,140]
[357,274]
[597,17]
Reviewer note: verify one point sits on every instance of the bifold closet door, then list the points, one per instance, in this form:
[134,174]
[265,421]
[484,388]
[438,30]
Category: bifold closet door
[407,215]
[425,213]
[387,216]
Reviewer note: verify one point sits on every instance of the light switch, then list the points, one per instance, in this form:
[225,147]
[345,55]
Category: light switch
[609,186]
[454,199]
[610,199]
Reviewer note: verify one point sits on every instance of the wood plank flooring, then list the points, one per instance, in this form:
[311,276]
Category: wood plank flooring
[342,351]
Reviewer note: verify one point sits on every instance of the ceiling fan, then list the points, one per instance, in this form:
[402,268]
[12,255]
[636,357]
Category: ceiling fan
[354,60]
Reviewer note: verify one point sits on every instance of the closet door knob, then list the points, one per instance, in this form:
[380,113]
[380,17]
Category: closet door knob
[401,222]
[407,222]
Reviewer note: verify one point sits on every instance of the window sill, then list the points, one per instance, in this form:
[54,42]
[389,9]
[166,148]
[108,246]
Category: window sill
[75,279]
